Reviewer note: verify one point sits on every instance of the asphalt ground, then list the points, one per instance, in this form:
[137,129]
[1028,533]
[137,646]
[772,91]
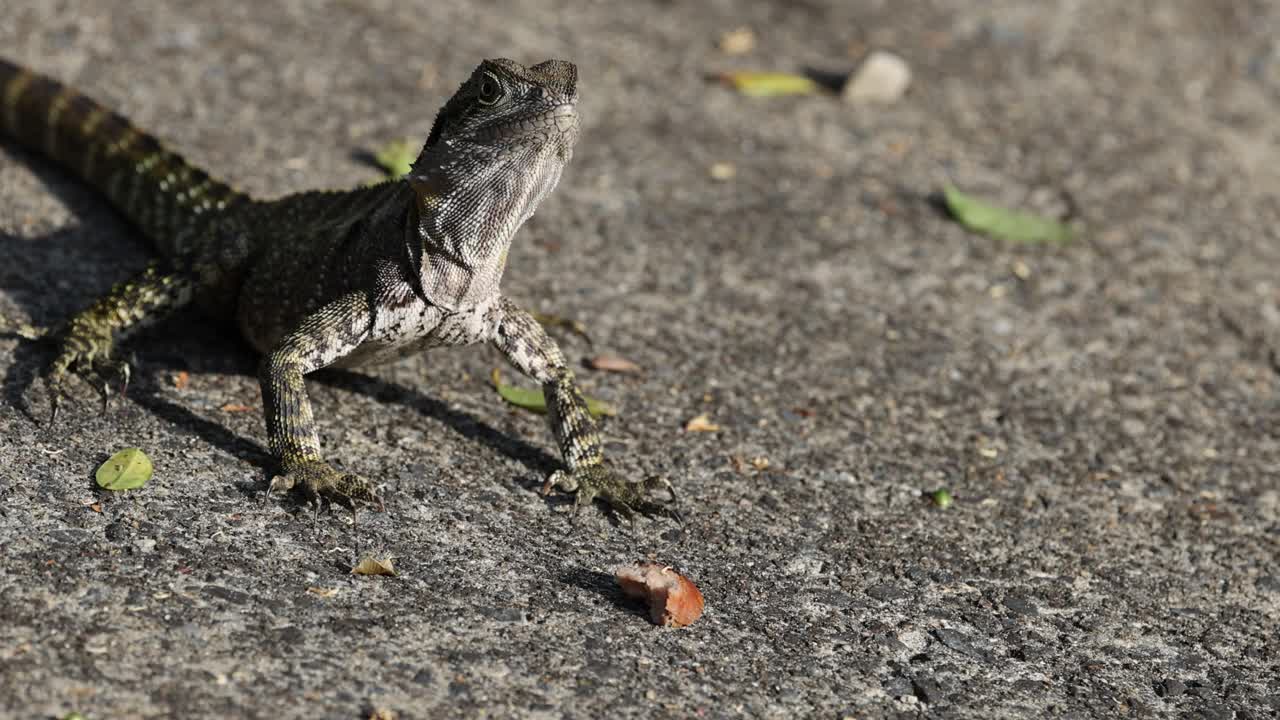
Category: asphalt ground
[1103,412]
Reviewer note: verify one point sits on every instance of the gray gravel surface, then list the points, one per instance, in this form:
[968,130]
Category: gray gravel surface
[1104,412]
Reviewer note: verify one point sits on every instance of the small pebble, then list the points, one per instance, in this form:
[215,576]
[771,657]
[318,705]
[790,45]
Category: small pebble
[1268,583]
[738,41]
[927,689]
[722,171]
[1170,687]
[882,78]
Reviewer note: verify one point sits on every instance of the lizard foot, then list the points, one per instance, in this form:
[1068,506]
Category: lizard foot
[321,483]
[88,356]
[596,482]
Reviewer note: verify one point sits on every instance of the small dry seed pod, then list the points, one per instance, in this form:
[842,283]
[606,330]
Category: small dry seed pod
[674,601]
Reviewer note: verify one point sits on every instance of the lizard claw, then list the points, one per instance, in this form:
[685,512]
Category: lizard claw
[55,402]
[56,385]
[106,369]
[625,499]
[81,352]
[322,483]
[118,368]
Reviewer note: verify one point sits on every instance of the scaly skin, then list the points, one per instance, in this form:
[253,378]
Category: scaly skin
[324,279]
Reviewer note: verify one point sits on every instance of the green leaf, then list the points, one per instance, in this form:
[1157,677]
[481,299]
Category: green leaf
[769,84]
[73,715]
[128,469]
[941,498]
[397,157]
[1003,224]
[534,401]
[599,408]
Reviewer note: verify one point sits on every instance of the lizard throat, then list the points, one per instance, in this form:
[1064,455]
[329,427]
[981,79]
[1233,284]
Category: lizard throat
[465,217]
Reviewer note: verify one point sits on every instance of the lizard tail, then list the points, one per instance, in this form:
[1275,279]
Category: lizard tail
[155,188]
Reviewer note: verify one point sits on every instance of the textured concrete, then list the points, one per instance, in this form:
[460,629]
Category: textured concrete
[1104,412]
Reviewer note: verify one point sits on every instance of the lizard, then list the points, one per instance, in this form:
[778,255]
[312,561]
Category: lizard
[336,278]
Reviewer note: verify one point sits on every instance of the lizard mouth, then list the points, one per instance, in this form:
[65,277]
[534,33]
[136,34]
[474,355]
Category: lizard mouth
[565,117]
[556,124]
[565,120]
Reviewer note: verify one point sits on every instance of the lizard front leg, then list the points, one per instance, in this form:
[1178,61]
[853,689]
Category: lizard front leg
[527,346]
[87,340]
[322,338]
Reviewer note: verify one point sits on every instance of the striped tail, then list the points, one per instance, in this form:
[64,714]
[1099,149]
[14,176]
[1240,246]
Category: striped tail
[159,191]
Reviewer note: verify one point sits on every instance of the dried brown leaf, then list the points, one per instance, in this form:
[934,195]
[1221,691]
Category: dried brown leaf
[701,423]
[370,565]
[674,601]
[612,363]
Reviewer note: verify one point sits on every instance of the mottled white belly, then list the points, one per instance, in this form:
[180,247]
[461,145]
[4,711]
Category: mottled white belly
[416,326]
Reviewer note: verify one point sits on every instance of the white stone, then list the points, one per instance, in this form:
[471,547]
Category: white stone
[882,78]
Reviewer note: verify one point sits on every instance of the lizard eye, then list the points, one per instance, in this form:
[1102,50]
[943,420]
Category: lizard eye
[490,89]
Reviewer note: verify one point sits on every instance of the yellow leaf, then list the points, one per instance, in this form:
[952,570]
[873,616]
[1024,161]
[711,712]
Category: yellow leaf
[768,84]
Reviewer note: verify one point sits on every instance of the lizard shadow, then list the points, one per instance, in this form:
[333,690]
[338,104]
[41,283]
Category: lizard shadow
[50,275]
[606,586]
[162,357]
[463,423]
[30,358]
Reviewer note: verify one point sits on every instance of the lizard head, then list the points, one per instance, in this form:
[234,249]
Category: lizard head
[512,110]
[496,150]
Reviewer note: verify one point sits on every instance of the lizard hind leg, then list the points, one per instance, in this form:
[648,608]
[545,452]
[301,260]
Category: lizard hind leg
[85,351]
[86,343]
